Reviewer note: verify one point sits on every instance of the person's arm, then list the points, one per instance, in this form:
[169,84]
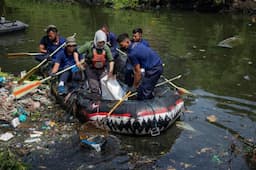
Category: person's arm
[84,48]
[42,46]
[76,58]
[111,68]
[55,68]
[57,63]
[137,76]
[110,60]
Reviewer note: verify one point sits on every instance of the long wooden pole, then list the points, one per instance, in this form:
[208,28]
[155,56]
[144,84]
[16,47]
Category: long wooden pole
[161,83]
[31,71]
[24,54]
[20,91]
[180,89]
[119,102]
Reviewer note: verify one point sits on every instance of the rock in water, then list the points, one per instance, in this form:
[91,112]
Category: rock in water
[230,42]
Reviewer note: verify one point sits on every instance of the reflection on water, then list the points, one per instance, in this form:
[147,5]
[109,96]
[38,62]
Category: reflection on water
[222,79]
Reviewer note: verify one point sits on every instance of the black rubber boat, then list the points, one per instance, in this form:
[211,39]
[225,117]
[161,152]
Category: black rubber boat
[134,117]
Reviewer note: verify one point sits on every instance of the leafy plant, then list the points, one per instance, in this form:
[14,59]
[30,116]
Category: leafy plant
[9,161]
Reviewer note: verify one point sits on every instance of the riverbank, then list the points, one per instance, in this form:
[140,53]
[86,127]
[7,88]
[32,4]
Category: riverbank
[246,6]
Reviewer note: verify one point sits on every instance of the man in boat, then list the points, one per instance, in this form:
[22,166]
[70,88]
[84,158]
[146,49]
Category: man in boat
[66,58]
[97,56]
[137,36]
[111,40]
[50,42]
[142,58]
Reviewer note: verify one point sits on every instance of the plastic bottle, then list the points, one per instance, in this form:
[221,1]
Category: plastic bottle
[2,79]
[2,19]
[15,122]
[22,118]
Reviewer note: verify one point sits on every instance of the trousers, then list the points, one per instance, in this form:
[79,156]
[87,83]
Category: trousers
[146,88]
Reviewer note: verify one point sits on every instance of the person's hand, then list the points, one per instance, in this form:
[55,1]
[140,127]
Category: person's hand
[78,64]
[48,57]
[52,74]
[132,89]
[110,75]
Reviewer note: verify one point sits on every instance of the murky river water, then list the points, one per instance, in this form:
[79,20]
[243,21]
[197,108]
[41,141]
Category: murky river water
[223,80]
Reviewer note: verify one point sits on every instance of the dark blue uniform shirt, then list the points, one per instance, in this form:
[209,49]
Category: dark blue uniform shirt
[64,59]
[145,42]
[138,53]
[50,46]
[111,38]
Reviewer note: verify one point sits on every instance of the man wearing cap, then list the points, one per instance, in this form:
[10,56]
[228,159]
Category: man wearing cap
[50,42]
[64,59]
[97,56]
[137,36]
[144,57]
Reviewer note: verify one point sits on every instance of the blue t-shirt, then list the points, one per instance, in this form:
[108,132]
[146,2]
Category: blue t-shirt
[64,59]
[138,53]
[50,46]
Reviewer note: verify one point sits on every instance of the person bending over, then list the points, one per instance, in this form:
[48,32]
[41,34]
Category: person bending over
[144,57]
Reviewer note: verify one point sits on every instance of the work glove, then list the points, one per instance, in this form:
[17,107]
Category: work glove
[52,75]
[48,57]
[74,69]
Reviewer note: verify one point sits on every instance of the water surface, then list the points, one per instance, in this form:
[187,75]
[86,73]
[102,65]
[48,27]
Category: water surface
[223,80]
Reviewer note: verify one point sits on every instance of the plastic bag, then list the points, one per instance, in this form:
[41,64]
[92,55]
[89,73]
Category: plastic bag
[111,89]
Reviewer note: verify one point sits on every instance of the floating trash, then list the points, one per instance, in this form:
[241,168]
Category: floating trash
[95,142]
[246,77]
[185,126]
[216,159]
[4,123]
[211,118]
[32,140]
[15,122]
[6,136]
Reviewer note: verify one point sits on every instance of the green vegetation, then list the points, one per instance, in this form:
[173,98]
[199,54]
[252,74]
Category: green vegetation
[118,4]
[9,161]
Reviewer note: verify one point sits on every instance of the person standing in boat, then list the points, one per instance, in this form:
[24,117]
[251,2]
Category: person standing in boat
[111,40]
[97,55]
[137,37]
[144,57]
[66,58]
[49,43]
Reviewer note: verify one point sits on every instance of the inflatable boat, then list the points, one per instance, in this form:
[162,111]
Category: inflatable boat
[11,26]
[133,117]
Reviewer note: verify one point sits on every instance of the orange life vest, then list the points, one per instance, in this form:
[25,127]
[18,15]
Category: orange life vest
[98,60]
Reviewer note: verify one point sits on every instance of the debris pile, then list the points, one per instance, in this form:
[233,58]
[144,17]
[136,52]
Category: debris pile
[31,122]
